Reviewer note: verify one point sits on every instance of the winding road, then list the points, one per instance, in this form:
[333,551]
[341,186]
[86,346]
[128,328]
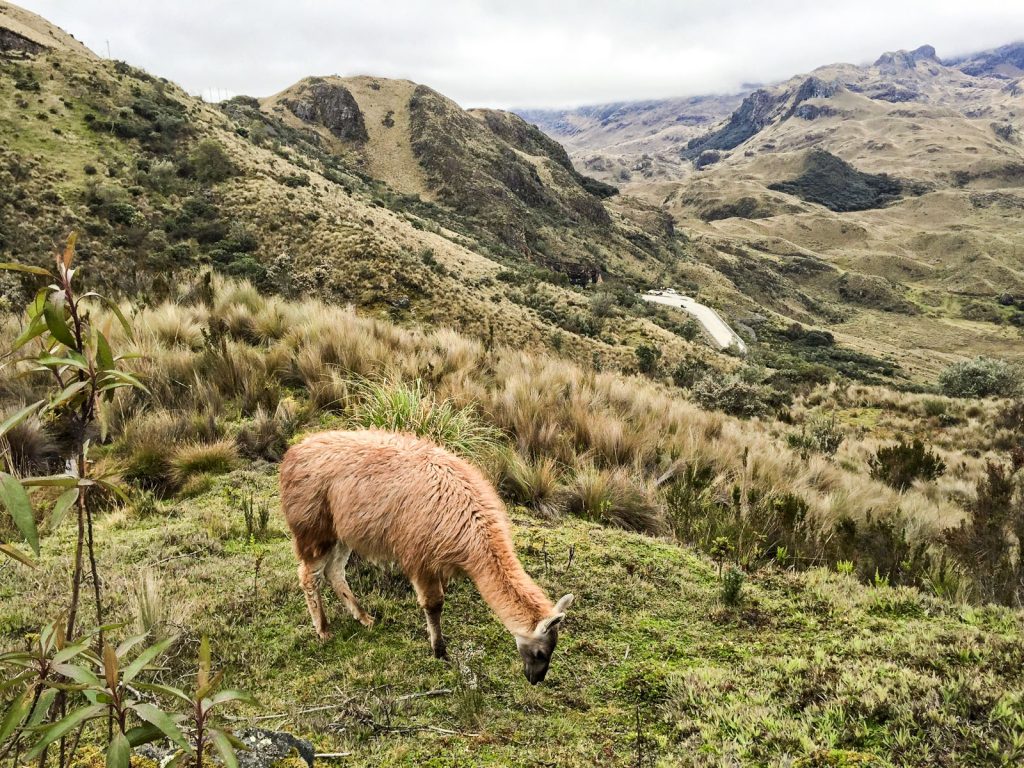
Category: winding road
[717,330]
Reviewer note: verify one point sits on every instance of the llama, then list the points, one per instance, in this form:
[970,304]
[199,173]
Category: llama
[397,498]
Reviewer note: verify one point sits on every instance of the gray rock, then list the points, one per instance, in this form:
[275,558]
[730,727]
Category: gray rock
[333,107]
[265,749]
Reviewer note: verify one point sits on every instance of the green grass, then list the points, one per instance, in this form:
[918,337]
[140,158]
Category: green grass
[809,666]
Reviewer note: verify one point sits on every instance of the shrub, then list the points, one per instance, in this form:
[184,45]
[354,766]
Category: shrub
[688,372]
[734,396]
[731,590]
[647,359]
[982,541]
[981,377]
[821,437]
[209,163]
[900,465]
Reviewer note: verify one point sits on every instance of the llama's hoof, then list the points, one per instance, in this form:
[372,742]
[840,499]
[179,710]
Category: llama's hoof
[325,635]
[441,651]
[367,621]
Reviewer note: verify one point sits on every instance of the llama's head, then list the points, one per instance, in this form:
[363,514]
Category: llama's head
[536,648]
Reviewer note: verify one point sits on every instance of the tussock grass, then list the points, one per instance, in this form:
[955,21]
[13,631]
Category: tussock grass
[220,370]
[203,459]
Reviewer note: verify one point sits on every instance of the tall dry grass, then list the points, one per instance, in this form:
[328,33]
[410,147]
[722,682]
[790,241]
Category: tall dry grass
[604,436]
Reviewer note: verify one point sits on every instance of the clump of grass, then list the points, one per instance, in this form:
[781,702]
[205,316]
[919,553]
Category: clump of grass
[193,459]
[266,436]
[400,407]
[148,606]
[534,483]
[614,497]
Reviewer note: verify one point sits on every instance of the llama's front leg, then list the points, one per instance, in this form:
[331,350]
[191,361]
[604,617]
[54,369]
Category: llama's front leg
[311,578]
[336,563]
[430,595]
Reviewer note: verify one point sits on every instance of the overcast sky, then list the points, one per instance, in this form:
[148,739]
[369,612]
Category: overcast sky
[521,53]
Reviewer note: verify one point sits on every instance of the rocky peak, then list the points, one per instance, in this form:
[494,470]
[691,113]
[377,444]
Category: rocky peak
[330,105]
[900,60]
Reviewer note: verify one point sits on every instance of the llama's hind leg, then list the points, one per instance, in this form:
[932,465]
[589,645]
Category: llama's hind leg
[336,562]
[430,595]
[311,574]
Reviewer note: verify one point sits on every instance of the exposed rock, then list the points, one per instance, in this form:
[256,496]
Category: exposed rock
[1005,61]
[812,88]
[895,61]
[893,93]
[706,158]
[332,106]
[756,112]
[814,111]
[265,749]
[12,41]
[1006,132]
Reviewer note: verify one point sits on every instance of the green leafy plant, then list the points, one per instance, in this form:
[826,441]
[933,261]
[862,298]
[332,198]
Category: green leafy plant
[731,590]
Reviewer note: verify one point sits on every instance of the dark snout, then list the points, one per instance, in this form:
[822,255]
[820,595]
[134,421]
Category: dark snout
[534,672]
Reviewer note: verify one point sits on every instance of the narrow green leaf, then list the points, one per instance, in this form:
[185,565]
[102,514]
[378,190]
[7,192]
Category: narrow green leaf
[62,481]
[166,690]
[25,268]
[224,747]
[178,758]
[60,508]
[125,377]
[16,418]
[104,356]
[42,708]
[145,658]
[58,326]
[15,715]
[129,643]
[78,673]
[120,316]
[69,392]
[66,654]
[119,752]
[64,726]
[143,734]
[35,328]
[13,496]
[230,694]
[156,716]
[53,361]
[16,554]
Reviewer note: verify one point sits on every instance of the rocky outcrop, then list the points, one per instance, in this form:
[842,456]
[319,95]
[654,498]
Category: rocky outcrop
[332,106]
[1005,61]
[12,41]
[757,111]
[899,61]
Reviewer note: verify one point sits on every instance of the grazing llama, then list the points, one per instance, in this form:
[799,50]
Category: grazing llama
[396,498]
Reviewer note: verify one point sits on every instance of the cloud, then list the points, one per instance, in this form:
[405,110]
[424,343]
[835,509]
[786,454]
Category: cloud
[526,53]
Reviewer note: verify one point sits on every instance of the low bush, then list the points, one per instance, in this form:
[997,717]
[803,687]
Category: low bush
[614,497]
[900,465]
[981,377]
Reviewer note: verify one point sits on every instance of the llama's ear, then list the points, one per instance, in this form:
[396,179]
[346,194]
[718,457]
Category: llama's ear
[549,623]
[563,605]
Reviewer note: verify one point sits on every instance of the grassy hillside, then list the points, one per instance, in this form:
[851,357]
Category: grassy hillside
[808,669]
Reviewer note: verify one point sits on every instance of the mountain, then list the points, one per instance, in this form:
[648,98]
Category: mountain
[902,177]
[381,193]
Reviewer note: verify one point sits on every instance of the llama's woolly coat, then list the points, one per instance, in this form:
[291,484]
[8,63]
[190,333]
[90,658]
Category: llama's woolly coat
[395,497]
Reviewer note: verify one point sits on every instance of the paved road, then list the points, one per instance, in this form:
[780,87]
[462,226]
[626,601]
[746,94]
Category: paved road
[716,328]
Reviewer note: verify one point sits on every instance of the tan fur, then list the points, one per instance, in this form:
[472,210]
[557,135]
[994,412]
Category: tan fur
[394,497]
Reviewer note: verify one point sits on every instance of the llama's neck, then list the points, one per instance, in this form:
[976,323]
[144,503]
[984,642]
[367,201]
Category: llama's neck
[510,592]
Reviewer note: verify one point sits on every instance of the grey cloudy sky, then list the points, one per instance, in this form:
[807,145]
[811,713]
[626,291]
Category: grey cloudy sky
[521,53]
